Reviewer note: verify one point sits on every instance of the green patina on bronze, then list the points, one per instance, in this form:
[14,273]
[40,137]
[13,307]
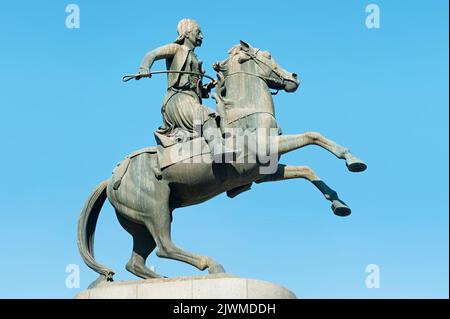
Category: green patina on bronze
[144,191]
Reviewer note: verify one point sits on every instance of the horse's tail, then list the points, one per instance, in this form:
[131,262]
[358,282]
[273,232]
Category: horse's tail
[86,230]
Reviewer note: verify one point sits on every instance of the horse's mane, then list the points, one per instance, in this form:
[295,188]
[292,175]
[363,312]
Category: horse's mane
[234,50]
[221,66]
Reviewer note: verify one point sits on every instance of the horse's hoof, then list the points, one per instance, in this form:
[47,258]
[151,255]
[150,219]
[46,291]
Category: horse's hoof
[216,269]
[354,164]
[340,209]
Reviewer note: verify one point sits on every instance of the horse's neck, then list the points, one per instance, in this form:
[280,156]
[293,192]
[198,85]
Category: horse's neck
[246,92]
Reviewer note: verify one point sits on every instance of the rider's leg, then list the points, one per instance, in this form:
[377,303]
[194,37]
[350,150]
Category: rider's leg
[213,136]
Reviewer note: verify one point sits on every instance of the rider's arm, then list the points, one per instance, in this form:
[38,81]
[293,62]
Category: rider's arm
[164,52]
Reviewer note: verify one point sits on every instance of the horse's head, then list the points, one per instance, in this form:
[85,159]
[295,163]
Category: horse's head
[264,67]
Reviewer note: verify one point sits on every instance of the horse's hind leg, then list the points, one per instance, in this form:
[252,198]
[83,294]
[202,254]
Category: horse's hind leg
[287,143]
[143,245]
[160,227]
[285,172]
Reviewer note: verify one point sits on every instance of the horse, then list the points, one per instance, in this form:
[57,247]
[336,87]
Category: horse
[147,196]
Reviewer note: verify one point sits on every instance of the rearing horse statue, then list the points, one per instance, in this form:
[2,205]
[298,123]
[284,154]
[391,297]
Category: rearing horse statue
[144,195]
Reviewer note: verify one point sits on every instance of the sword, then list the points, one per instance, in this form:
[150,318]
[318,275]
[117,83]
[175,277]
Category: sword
[127,78]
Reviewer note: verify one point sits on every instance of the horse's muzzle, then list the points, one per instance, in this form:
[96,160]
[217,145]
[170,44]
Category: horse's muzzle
[291,84]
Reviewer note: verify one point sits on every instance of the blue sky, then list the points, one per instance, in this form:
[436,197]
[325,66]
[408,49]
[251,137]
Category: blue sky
[66,119]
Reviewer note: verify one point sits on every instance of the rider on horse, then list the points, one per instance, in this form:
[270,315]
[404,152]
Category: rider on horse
[182,107]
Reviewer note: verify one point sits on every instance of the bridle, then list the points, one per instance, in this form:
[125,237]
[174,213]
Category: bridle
[267,77]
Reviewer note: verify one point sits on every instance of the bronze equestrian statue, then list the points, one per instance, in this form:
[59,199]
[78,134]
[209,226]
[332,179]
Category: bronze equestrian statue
[149,184]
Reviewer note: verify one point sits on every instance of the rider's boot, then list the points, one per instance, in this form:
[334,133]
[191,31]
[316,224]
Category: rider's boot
[213,136]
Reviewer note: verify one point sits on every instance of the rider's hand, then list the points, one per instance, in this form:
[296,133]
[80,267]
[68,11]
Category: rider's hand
[208,87]
[143,72]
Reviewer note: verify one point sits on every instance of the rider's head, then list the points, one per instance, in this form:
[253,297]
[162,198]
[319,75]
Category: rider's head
[189,30]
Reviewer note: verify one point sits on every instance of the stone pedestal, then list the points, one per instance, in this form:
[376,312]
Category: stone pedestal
[219,286]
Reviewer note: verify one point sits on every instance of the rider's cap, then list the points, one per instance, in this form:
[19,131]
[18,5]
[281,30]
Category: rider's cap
[185,26]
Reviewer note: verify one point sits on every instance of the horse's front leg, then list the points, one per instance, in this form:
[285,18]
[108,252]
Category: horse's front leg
[287,143]
[285,172]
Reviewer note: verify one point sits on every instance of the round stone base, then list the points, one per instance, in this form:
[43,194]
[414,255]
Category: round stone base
[218,286]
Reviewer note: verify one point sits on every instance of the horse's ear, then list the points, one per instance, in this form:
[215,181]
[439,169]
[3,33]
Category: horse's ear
[244,45]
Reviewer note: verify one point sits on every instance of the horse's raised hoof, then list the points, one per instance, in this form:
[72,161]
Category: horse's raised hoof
[340,209]
[216,269]
[354,164]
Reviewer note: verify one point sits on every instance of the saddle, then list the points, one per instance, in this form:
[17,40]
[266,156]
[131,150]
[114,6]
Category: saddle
[177,135]
[122,167]
[179,146]
[169,151]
